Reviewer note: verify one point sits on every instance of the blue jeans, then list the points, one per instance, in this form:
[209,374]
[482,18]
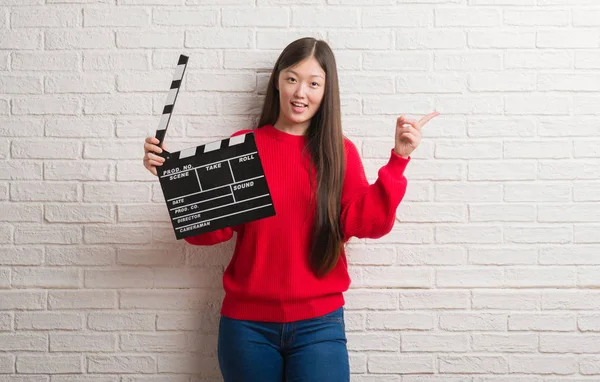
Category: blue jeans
[312,350]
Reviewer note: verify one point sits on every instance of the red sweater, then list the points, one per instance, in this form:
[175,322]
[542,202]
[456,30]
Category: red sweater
[269,278]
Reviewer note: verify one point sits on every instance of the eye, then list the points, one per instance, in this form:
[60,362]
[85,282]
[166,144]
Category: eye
[315,84]
[291,79]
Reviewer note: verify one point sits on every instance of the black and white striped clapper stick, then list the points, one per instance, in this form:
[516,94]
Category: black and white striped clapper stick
[170,103]
[216,185]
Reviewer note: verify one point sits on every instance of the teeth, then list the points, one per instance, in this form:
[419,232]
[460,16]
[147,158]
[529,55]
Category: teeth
[298,104]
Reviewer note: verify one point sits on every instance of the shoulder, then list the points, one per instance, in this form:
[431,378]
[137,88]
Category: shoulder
[242,132]
[350,149]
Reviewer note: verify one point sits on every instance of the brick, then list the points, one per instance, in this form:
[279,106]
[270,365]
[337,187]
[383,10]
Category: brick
[45,17]
[502,255]
[569,343]
[115,61]
[401,364]
[434,299]
[73,255]
[589,365]
[17,212]
[140,364]
[115,234]
[468,150]
[228,82]
[141,256]
[80,170]
[588,322]
[22,300]
[462,322]
[48,321]
[182,321]
[399,321]
[366,39]
[67,342]
[138,104]
[506,170]
[538,192]
[79,214]
[45,278]
[52,61]
[114,278]
[468,234]
[534,59]
[467,191]
[159,342]
[466,104]
[36,149]
[82,299]
[531,235]
[398,277]
[501,212]
[384,341]
[537,149]
[20,39]
[280,38]
[21,256]
[145,81]
[467,61]
[507,343]
[218,38]
[150,39]
[392,61]
[431,255]
[54,234]
[50,364]
[80,83]
[501,40]
[556,18]
[541,322]
[206,277]
[430,342]
[443,38]
[576,38]
[21,84]
[506,300]
[117,17]
[257,17]
[369,299]
[83,39]
[570,300]
[473,364]
[167,299]
[21,127]
[116,322]
[533,364]
[473,278]
[368,255]
[334,17]
[46,105]
[44,192]
[23,342]
[381,17]
[115,192]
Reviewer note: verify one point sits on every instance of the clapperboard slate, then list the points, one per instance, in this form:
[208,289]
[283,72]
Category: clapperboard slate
[212,186]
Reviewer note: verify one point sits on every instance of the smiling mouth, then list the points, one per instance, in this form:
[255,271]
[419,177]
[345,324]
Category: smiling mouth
[299,104]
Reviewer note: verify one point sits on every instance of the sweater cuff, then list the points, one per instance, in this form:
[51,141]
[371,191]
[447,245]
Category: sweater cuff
[397,164]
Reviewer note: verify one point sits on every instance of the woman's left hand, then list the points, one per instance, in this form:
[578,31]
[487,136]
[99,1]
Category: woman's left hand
[408,133]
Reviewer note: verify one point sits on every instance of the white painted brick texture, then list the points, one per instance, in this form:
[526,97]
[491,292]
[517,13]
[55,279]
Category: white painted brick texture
[490,274]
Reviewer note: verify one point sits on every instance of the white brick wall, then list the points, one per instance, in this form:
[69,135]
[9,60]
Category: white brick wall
[489,275]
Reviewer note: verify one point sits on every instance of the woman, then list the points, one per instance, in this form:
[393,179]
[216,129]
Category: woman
[282,315]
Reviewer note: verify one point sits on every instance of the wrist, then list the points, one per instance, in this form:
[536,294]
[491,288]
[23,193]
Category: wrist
[401,155]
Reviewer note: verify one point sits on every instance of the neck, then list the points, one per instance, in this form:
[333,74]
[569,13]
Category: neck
[292,128]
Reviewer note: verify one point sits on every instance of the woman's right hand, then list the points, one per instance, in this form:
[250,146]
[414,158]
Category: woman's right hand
[152,160]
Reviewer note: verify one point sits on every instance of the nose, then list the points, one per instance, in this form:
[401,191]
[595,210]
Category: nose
[299,93]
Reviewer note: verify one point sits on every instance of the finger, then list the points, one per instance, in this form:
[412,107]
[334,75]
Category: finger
[428,118]
[148,147]
[409,138]
[408,129]
[154,163]
[154,157]
[152,140]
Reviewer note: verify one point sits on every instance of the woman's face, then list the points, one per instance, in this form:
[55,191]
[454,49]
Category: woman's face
[301,88]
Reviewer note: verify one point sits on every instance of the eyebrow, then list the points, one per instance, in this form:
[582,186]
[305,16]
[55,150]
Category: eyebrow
[314,75]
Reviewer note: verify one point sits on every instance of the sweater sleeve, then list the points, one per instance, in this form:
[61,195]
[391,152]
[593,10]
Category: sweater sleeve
[369,210]
[219,235]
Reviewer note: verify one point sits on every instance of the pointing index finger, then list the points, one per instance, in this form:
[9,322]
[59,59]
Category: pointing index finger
[428,118]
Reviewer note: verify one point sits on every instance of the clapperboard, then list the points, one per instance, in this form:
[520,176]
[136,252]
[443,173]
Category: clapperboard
[212,186]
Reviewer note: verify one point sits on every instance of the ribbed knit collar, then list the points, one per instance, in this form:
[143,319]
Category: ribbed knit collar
[283,136]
